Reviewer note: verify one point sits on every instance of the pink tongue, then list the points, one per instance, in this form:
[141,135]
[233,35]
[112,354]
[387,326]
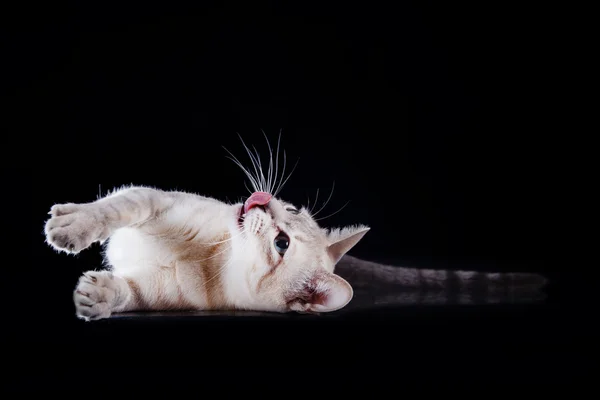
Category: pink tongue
[256,199]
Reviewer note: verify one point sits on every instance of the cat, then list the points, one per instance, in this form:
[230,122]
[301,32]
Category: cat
[177,250]
[173,250]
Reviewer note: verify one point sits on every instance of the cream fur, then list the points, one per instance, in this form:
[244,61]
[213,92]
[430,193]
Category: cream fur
[174,251]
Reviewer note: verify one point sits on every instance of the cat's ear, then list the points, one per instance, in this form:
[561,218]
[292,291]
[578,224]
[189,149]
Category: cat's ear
[322,292]
[342,240]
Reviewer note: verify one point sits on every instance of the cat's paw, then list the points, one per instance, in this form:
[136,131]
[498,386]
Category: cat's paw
[95,295]
[74,227]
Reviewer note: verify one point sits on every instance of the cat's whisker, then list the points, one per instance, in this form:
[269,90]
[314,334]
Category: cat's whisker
[218,273]
[330,215]
[276,162]
[214,255]
[227,240]
[260,168]
[270,172]
[282,172]
[248,174]
[327,201]
[224,266]
[259,174]
[239,164]
[254,164]
[247,188]
[289,176]
[314,205]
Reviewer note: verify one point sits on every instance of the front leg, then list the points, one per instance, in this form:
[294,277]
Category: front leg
[99,294]
[74,227]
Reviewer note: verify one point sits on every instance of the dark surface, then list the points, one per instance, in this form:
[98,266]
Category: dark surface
[432,118]
[383,338]
[450,346]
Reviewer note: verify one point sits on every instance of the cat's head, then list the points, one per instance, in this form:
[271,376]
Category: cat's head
[293,257]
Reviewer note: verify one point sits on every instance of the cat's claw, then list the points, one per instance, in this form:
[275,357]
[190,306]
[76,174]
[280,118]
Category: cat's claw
[73,227]
[94,296]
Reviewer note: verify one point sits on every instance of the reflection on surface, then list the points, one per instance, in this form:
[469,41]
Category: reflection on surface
[360,302]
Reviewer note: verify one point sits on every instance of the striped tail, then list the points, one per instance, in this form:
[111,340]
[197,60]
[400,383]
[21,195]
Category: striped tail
[389,284]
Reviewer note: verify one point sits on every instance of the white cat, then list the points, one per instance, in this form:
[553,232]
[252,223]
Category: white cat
[171,250]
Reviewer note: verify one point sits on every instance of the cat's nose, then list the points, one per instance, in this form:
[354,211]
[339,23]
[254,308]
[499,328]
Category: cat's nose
[257,199]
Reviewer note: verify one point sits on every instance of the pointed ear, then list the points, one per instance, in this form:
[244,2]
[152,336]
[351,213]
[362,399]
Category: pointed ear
[342,240]
[322,292]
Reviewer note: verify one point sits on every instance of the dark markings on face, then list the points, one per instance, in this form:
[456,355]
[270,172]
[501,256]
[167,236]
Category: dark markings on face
[272,257]
[274,260]
[300,239]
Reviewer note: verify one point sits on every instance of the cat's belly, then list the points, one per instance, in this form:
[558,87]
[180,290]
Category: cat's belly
[130,248]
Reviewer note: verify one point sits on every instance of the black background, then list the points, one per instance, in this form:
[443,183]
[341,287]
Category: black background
[430,117]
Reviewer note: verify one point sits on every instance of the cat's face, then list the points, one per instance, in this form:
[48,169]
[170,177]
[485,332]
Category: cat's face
[293,258]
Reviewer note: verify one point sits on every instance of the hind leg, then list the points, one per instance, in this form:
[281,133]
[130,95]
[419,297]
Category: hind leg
[99,294]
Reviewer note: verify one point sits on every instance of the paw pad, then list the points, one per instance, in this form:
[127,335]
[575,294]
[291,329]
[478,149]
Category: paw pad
[95,295]
[73,227]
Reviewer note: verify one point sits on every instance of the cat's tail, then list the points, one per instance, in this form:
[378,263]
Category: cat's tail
[430,279]
[475,286]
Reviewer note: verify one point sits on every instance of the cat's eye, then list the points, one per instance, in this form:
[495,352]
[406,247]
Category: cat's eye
[281,242]
[292,210]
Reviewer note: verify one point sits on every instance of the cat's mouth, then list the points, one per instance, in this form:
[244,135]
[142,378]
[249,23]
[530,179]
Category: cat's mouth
[256,200]
[242,215]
